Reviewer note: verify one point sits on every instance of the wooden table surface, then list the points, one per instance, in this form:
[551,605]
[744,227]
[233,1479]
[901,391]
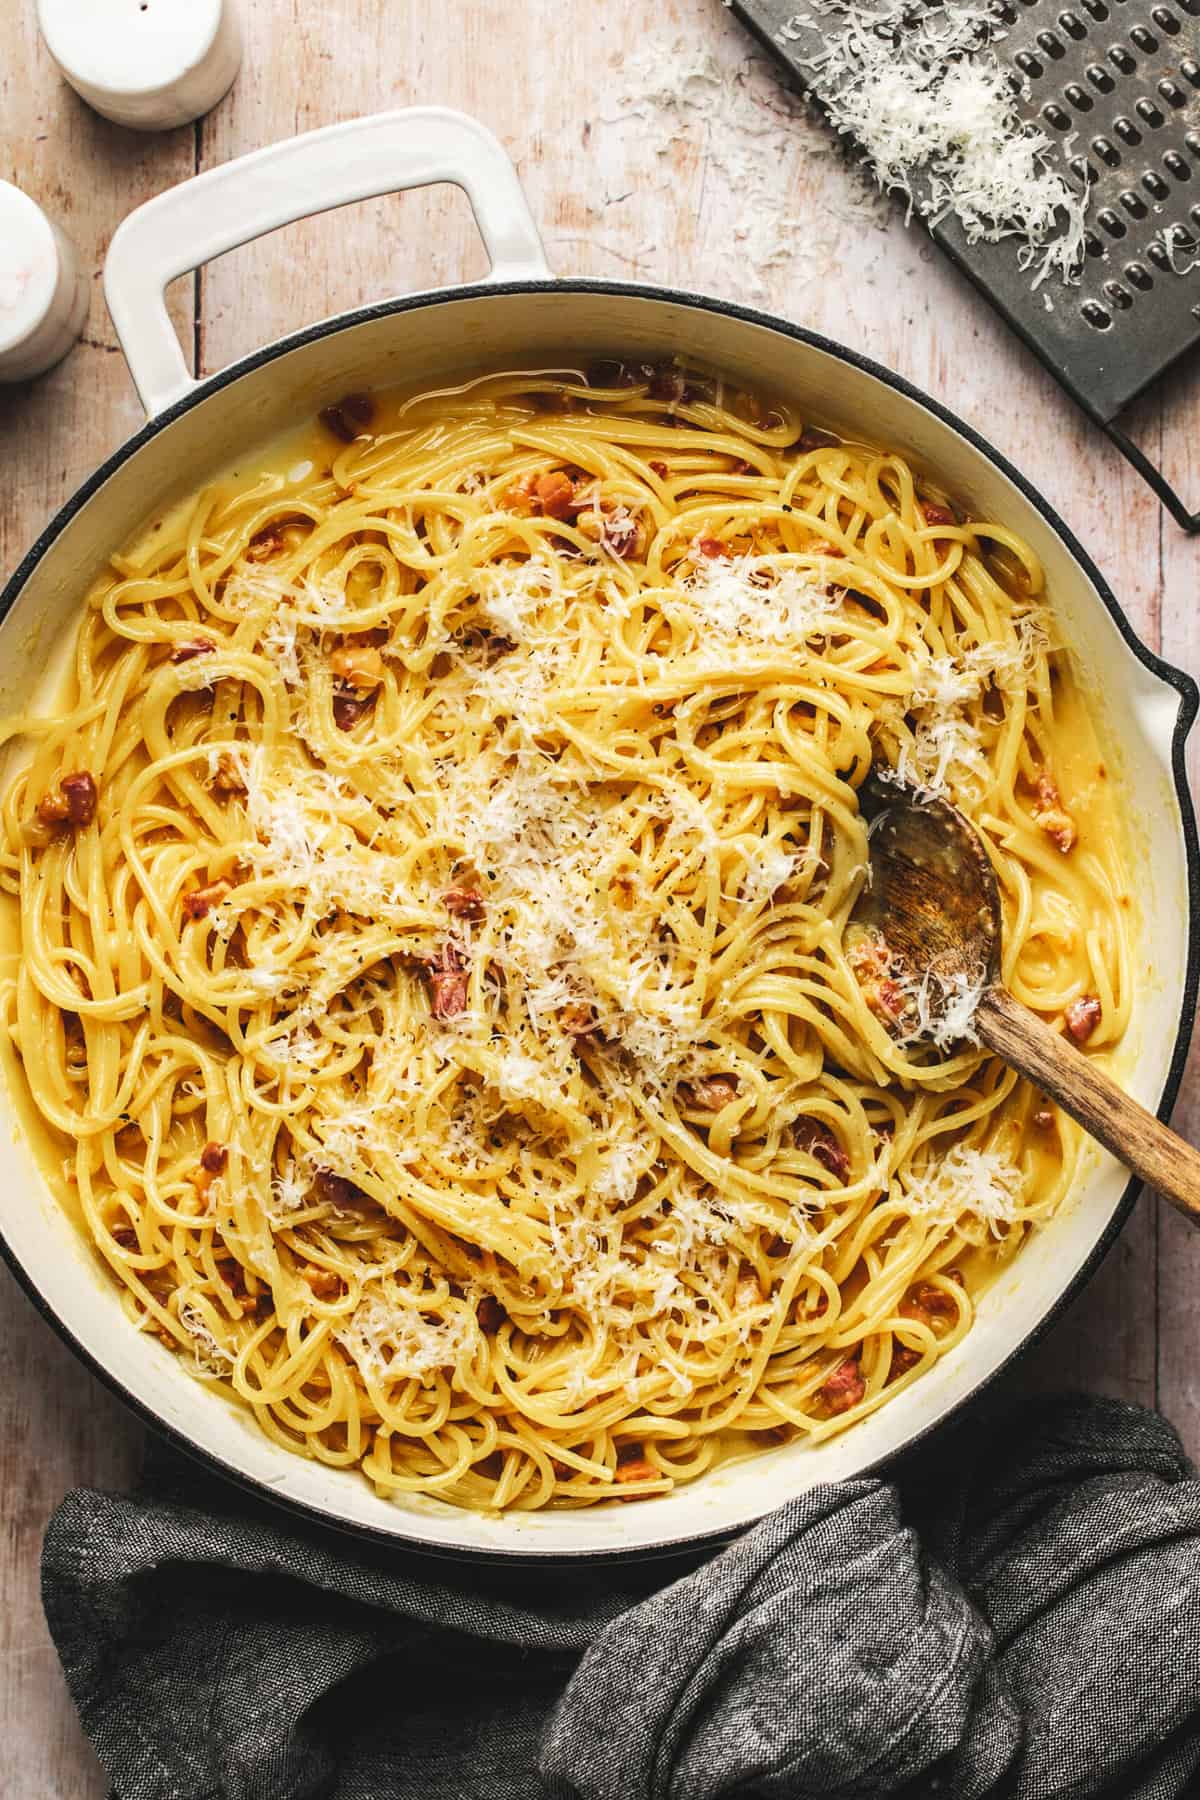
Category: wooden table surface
[737,193]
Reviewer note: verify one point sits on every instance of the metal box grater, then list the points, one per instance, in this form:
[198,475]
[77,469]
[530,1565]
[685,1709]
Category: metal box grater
[1124,75]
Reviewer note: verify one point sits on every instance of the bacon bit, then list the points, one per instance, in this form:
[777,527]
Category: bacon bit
[348,708]
[812,439]
[1082,1018]
[869,961]
[660,469]
[938,515]
[1052,815]
[935,1300]
[227,777]
[349,418]
[358,665]
[73,802]
[555,494]
[448,979]
[777,1246]
[490,1314]
[634,1465]
[711,546]
[199,646]
[711,1093]
[845,1387]
[339,1191]
[214,1157]
[465,903]
[822,1145]
[903,1358]
[80,793]
[325,1284]
[623,889]
[125,1236]
[740,467]
[1043,1119]
[823,547]
[200,902]
[870,956]
[51,809]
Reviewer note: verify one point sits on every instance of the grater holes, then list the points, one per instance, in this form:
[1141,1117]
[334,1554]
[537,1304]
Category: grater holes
[1176,165]
[1050,44]
[1107,151]
[1092,244]
[1171,92]
[1165,19]
[1190,7]
[1138,276]
[1160,257]
[1111,221]
[1144,38]
[1194,214]
[1072,24]
[1096,8]
[1127,131]
[1147,111]
[1057,115]
[1120,59]
[1120,297]
[1192,140]
[1134,204]
[1095,315]
[1028,64]
[1155,186]
[1100,78]
[1079,97]
[1083,171]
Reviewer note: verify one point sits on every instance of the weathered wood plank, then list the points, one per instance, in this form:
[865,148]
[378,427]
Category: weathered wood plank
[1179,1246]
[58,1427]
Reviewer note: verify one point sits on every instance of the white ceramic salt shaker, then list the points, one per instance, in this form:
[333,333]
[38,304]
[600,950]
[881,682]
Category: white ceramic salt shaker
[150,64]
[43,290]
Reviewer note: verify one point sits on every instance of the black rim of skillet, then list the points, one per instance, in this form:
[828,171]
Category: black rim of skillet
[1189,702]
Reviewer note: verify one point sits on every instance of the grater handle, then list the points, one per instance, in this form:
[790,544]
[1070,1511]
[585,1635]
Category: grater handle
[1174,503]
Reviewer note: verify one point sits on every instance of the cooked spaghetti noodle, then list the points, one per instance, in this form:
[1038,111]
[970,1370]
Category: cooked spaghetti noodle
[433,957]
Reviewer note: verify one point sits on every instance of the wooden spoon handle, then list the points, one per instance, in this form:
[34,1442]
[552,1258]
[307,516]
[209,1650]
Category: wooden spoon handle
[1133,1135]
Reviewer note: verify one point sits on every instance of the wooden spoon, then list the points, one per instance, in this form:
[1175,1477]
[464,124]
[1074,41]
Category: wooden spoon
[933,898]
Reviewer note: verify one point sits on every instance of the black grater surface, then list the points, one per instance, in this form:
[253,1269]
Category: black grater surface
[1124,76]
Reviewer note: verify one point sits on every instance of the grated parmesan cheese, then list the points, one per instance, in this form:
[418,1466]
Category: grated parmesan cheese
[926,97]
[981,1183]
[392,1340]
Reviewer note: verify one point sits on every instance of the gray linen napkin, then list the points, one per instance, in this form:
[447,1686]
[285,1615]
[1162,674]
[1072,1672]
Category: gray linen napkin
[1019,1616]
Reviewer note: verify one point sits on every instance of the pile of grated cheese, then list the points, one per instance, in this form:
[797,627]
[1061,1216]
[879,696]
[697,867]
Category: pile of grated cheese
[925,96]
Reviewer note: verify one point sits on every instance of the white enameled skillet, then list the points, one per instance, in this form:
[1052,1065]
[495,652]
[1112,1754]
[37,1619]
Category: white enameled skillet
[522,316]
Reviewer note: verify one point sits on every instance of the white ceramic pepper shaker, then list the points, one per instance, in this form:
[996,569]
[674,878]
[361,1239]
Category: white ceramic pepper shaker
[43,290]
[150,64]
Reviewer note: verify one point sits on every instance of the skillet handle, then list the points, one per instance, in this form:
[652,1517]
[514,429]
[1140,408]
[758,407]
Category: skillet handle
[190,224]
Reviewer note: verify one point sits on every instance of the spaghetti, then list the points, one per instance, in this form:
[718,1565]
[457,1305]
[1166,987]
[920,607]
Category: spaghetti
[432,902]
